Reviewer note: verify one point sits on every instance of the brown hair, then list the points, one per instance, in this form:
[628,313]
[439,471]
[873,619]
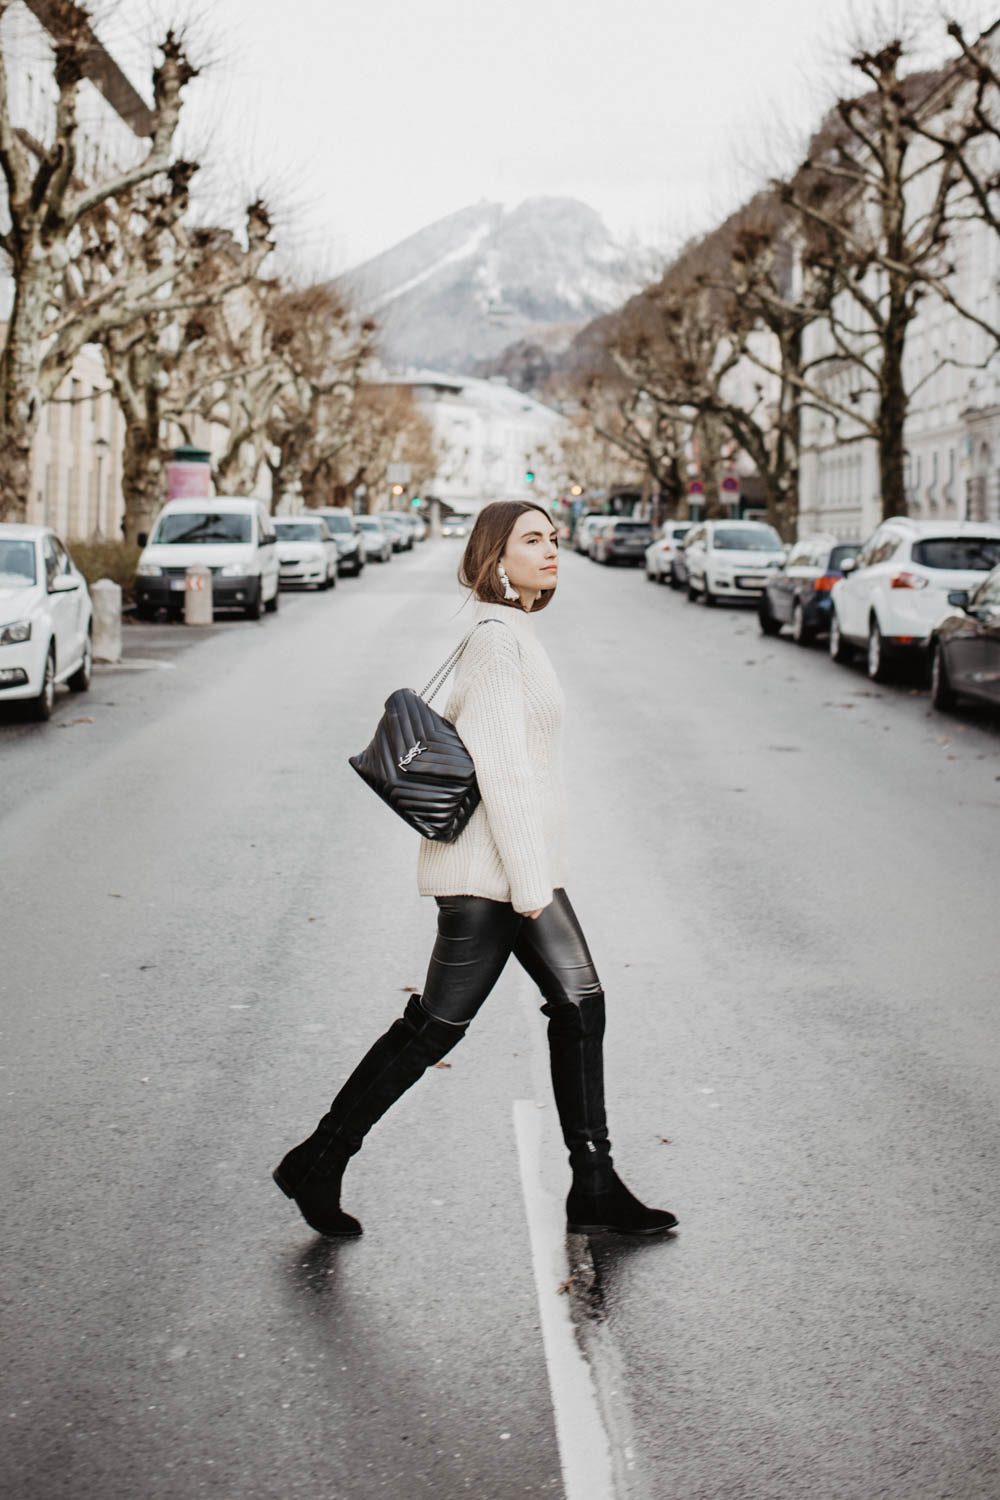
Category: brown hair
[486,545]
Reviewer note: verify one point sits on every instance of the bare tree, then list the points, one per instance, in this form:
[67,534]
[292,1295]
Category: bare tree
[876,205]
[322,352]
[157,365]
[53,316]
[386,426]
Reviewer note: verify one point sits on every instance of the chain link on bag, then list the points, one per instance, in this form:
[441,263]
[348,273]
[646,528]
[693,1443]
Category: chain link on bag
[442,671]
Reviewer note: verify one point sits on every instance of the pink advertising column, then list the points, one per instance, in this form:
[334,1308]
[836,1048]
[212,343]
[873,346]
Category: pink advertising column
[189,474]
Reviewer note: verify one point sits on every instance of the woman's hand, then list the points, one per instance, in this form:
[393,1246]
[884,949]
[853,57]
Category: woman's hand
[534,915]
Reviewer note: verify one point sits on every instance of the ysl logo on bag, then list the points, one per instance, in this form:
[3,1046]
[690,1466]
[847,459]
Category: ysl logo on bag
[415,750]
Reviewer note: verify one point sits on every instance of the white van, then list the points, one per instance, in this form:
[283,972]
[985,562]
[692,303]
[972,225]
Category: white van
[233,536]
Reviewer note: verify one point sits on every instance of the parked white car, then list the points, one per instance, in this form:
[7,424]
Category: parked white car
[307,553]
[231,535]
[45,618]
[895,594]
[662,549]
[731,559]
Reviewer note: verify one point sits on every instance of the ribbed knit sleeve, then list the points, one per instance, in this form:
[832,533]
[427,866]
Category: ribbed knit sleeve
[492,723]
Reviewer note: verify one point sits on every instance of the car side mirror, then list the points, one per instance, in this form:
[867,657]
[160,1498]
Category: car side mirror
[848,565]
[63,583]
[142,538]
[959,597]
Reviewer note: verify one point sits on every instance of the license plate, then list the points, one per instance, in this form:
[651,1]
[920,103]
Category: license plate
[751,583]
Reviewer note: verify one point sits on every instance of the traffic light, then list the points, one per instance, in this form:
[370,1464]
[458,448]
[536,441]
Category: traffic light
[529,476]
[415,501]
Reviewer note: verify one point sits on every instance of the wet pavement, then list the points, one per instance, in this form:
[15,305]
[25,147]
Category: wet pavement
[787,878]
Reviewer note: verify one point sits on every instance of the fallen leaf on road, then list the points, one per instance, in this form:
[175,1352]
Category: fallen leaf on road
[147,966]
[408,989]
[81,721]
[564,1286]
[664,1140]
[116,894]
[442,1065]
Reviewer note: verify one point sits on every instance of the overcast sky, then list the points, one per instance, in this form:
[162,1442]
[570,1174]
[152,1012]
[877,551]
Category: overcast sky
[363,120]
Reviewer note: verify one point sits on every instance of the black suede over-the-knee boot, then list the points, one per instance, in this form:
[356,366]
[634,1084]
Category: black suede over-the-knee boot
[598,1199]
[311,1172]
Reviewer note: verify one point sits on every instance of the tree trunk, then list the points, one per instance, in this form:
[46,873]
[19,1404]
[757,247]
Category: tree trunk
[892,417]
[236,472]
[21,399]
[144,478]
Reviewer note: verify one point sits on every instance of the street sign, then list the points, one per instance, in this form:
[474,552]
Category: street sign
[696,487]
[730,484]
[399,473]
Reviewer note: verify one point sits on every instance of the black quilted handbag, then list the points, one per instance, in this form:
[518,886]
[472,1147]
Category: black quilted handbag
[418,764]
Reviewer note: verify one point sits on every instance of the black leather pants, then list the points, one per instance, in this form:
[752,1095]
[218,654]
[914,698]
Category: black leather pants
[475,939]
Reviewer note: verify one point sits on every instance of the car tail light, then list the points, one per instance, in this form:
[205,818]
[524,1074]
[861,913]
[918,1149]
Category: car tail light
[907,581]
[825,584]
[664,546]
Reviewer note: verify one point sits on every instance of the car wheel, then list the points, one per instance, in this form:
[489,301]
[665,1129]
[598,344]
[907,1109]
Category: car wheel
[801,634]
[707,597]
[80,680]
[651,576]
[877,661]
[331,581]
[254,609]
[943,695]
[840,650]
[42,706]
[272,604]
[674,583]
[692,592]
[768,624]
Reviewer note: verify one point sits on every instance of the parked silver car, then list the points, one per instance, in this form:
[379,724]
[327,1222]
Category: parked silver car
[378,540]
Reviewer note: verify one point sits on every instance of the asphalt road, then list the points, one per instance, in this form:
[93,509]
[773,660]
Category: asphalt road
[788,880]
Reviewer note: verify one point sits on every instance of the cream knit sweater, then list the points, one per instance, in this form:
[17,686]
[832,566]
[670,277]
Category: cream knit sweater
[507,706]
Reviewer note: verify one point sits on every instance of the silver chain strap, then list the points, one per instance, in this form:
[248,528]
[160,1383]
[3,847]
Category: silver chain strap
[442,671]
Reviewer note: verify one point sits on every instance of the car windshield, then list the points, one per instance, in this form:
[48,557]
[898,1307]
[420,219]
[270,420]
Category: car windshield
[338,523]
[367,524]
[632,526]
[839,554]
[299,531]
[963,554]
[17,563]
[202,526]
[746,539]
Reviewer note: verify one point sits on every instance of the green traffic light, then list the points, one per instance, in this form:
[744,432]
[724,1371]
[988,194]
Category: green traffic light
[415,500]
[529,477]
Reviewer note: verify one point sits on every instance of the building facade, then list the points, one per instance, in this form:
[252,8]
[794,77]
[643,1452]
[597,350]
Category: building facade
[491,439]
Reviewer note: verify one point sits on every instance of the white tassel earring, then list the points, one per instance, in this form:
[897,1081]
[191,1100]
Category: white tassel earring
[509,591]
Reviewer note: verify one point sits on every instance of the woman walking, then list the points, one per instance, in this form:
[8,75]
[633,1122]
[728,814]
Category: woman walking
[500,890]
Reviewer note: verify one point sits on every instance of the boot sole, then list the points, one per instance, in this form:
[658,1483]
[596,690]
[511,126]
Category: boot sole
[333,1234]
[618,1229]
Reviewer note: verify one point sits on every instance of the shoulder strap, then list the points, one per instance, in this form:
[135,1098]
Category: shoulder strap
[443,670]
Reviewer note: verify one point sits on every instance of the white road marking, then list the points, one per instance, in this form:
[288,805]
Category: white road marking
[584,1450]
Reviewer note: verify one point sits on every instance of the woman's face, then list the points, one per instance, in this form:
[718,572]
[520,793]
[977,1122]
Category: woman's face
[531,558]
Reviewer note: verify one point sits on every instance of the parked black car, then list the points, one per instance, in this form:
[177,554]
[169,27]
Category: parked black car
[622,540]
[965,648]
[799,595]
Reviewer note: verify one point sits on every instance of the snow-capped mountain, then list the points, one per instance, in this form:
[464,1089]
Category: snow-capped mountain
[463,289]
